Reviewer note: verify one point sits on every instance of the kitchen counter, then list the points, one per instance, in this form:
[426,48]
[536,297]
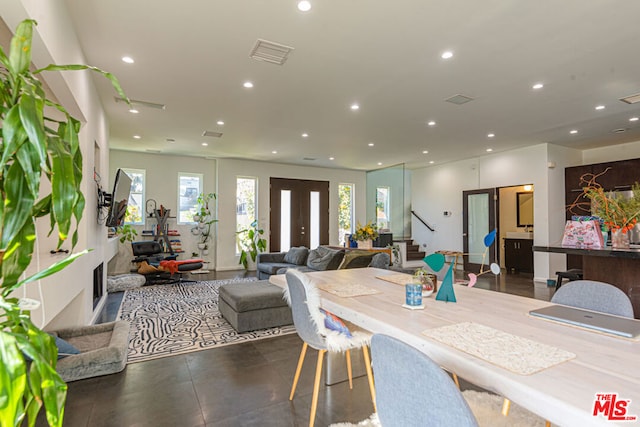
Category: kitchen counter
[620,267]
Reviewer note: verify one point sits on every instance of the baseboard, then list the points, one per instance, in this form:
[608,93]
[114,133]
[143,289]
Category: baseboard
[239,267]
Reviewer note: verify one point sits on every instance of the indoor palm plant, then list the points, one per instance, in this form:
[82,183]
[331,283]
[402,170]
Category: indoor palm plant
[33,146]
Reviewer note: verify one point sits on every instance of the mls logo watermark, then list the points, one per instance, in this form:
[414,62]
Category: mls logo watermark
[612,407]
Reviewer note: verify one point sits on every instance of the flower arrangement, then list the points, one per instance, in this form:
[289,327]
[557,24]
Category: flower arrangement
[616,212]
[366,232]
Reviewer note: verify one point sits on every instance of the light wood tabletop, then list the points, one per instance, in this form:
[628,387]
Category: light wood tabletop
[563,394]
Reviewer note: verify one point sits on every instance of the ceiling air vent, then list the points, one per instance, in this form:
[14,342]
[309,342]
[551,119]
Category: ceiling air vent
[143,103]
[309,159]
[631,99]
[211,134]
[459,99]
[272,52]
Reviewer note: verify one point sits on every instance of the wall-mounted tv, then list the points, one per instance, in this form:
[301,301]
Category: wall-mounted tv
[119,199]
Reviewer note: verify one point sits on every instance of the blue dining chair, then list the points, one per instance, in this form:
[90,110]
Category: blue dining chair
[304,299]
[413,391]
[595,296]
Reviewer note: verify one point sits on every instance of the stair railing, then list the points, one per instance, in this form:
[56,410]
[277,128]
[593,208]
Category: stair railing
[422,220]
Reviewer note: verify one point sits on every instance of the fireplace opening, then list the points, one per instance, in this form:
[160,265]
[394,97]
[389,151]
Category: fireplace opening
[97,284]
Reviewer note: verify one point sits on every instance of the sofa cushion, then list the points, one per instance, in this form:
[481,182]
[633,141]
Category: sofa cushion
[271,267]
[323,258]
[380,260]
[297,256]
[356,259]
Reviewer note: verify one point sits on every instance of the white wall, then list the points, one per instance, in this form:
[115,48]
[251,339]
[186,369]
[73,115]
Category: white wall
[630,150]
[67,295]
[229,169]
[439,188]
[162,186]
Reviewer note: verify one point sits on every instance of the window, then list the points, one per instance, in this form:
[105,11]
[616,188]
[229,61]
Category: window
[345,211]
[135,207]
[189,188]
[382,207]
[245,205]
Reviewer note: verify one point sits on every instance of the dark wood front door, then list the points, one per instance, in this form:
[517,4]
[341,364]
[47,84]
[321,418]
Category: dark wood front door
[299,213]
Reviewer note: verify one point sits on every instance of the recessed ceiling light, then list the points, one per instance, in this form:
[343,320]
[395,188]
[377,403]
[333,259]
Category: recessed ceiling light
[425,152]
[133,110]
[304,6]
[305,135]
[431,162]
[332,158]
[274,152]
[537,86]
[248,85]
[633,119]
[204,144]
[447,54]
[136,137]
[220,123]
[371,144]
[573,132]
[128,59]
[600,107]
[431,123]
[355,107]
[491,135]
[379,163]
[489,150]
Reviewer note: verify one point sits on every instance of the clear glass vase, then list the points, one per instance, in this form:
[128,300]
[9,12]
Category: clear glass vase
[619,239]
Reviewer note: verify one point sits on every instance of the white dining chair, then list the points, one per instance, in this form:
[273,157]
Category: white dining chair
[303,297]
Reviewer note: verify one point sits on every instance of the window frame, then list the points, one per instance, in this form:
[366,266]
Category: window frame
[200,178]
[351,210]
[255,202]
[143,172]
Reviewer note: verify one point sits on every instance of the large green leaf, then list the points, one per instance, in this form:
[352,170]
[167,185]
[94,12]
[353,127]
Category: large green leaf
[13,379]
[32,120]
[13,134]
[114,81]
[20,55]
[18,202]
[63,189]
[18,256]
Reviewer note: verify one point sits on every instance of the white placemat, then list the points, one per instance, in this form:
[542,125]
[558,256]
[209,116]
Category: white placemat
[347,290]
[516,354]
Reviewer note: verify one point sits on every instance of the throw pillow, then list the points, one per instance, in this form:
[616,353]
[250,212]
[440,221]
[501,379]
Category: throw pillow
[356,259]
[296,256]
[322,258]
[64,348]
[334,323]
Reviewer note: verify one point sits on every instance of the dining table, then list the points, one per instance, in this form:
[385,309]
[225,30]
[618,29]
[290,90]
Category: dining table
[566,374]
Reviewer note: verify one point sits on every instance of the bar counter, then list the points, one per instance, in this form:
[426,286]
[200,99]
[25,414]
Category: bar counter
[620,267]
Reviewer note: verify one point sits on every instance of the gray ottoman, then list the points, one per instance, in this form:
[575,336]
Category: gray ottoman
[253,305]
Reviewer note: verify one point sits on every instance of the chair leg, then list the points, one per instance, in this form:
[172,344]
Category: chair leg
[367,364]
[316,388]
[455,379]
[298,369]
[506,405]
[349,370]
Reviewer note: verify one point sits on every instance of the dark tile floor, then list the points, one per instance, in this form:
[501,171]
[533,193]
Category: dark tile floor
[240,385]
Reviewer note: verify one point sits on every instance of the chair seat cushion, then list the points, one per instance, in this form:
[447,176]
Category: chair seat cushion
[249,296]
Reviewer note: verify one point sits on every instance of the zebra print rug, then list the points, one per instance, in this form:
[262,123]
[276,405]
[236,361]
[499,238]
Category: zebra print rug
[168,320]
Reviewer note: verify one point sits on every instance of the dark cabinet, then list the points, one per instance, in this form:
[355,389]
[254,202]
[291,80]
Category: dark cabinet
[518,255]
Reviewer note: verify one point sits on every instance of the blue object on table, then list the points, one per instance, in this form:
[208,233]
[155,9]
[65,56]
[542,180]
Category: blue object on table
[413,294]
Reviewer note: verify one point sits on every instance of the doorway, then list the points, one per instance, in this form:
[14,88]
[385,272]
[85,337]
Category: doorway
[299,213]
[479,218]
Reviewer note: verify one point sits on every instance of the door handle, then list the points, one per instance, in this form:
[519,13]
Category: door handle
[464,234]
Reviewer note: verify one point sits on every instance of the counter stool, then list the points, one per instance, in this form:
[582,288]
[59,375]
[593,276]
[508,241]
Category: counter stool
[571,274]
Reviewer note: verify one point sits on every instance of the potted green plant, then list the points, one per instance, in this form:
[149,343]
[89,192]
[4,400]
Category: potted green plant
[33,148]
[250,242]
[203,213]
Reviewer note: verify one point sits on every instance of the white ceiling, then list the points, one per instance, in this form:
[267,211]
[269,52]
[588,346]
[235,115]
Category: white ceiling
[193,56]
